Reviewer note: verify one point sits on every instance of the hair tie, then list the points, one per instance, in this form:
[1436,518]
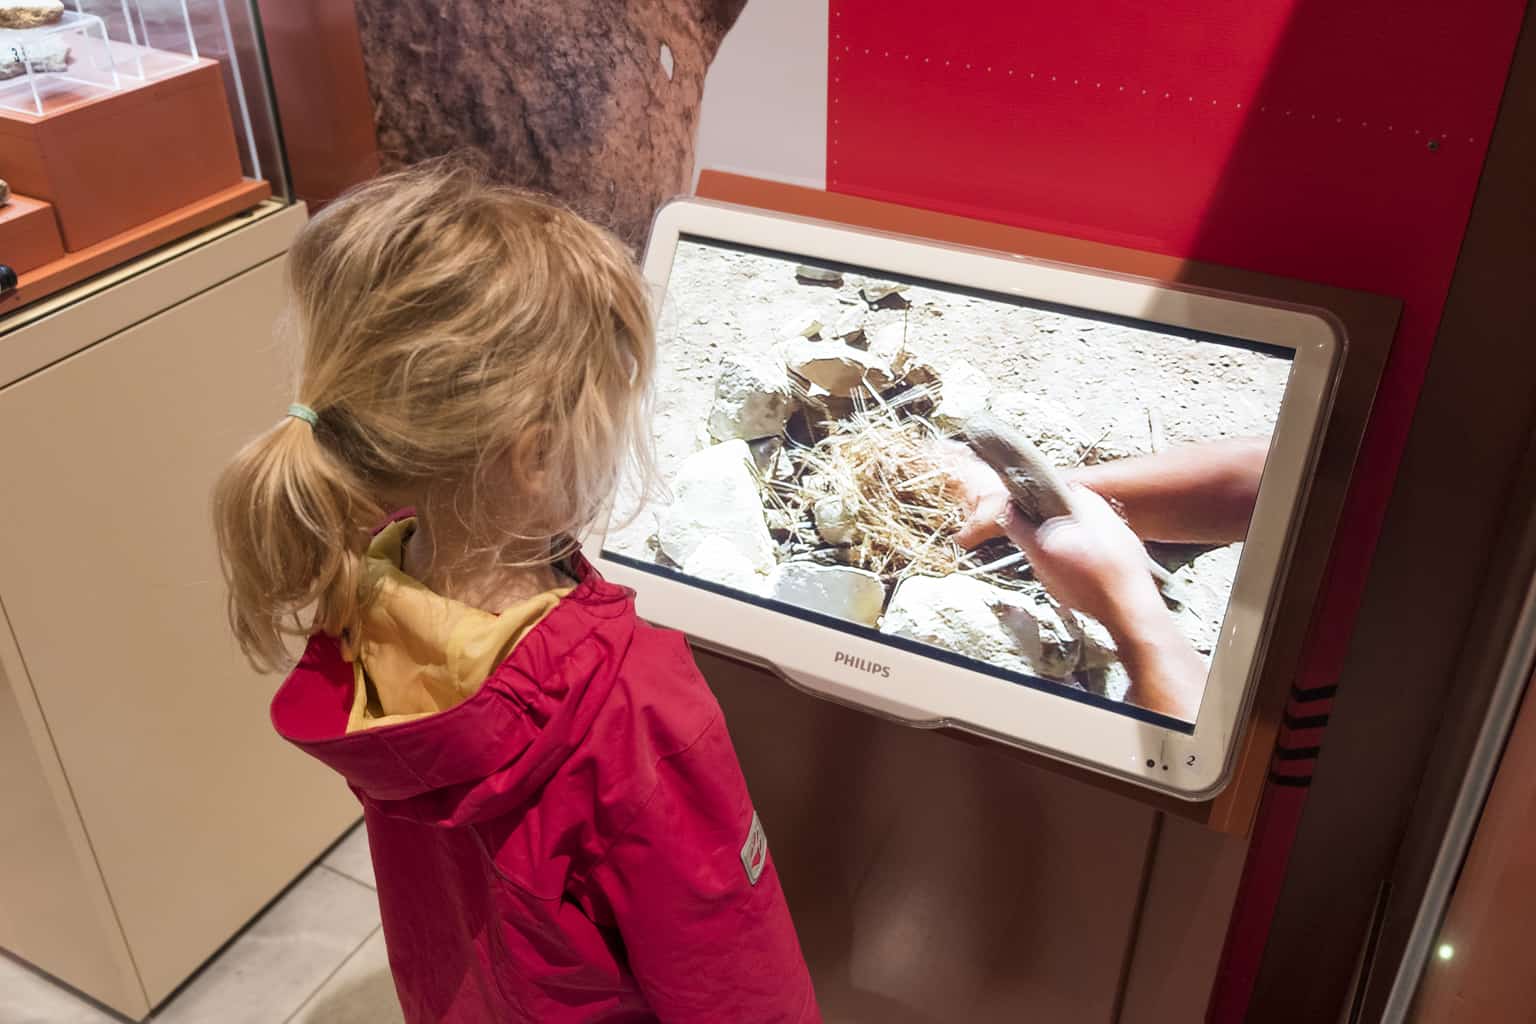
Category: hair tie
[299,411]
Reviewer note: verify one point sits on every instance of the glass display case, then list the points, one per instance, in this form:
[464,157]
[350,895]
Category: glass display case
[125,125]
[71,55]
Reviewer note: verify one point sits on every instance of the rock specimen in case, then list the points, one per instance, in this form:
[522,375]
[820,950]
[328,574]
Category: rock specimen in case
[29,13]
[46,53]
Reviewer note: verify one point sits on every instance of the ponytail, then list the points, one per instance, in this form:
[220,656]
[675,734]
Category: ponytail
[292,524]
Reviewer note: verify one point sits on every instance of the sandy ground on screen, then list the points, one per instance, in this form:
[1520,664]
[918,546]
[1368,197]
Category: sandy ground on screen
[1116,386]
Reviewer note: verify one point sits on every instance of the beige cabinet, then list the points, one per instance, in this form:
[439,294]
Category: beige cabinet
[147,810]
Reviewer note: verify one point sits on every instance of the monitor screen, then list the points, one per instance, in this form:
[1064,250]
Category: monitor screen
[855,448]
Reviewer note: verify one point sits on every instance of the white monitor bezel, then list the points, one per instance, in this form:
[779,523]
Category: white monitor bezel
[923,691]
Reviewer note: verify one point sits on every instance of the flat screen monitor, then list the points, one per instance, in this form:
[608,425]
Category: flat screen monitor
[1041,503]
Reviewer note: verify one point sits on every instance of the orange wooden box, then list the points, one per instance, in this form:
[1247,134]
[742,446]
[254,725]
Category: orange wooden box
[29,236]
[113,161]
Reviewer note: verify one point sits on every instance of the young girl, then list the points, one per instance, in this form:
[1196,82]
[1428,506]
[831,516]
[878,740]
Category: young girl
[559,826]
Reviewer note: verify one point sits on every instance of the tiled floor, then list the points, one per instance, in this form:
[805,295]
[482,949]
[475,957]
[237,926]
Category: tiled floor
[315,957]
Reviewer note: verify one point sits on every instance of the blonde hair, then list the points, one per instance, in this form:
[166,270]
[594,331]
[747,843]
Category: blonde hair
[469,349]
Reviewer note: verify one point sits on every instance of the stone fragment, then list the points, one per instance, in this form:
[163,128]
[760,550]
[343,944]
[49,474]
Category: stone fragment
[850,329]
[839,369]
[966,392]
[715,495]
[889,344]
[853,594]
[922,375]
[765,454]
[801,325]
[47,54]
[1111,681]
[780,523]
[1060,644]
[752,398]
[968,616]
[717,561]
[834,520]
[30,13]
[818,276]
[1099,650]
[885,296]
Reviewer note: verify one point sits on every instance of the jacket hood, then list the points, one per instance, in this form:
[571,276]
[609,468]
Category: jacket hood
[489,755]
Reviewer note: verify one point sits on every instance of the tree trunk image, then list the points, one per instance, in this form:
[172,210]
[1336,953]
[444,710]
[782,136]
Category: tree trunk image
[593,101]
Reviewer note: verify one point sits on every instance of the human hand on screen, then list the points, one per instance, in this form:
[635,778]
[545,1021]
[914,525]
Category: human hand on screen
[1089,560]
[1197,494]
[1092,562]
[979,491]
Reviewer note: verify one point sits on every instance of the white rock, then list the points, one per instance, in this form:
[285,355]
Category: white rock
[1111,681]
[47,54]
[850,327]
[1099,650]
[717,561]
[840,369]
[715,495]
[969,617]
[964,392]
[802,325]
[1061,646]
[874,294]
[752,398]
[834,520]
[818,275]
[853,594]
[889,345]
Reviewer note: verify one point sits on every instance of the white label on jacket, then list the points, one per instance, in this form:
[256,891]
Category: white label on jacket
[754,853]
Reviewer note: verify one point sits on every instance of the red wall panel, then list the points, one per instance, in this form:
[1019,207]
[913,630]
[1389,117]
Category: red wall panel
[1333,142]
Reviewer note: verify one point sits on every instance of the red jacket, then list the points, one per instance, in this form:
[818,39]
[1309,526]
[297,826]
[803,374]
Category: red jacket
[574,842]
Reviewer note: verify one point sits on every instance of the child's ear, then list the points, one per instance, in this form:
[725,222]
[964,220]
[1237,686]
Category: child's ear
[528,460]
